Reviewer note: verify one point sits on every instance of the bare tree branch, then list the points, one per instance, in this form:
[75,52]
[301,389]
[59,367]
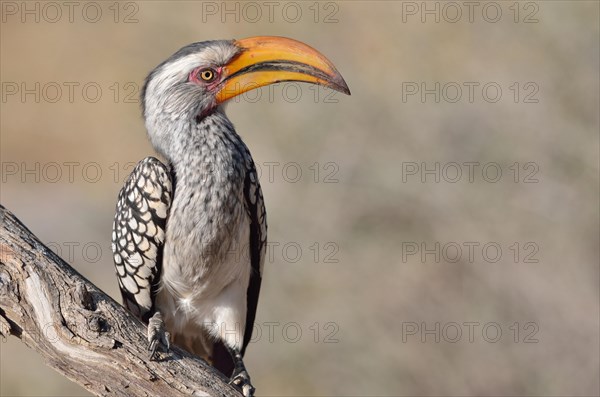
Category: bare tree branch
[82,332]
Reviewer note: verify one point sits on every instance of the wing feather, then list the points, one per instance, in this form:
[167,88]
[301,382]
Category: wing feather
[138,234]
[258,243]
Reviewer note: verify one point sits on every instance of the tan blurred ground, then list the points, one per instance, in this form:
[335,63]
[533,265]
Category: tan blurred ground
[366,301]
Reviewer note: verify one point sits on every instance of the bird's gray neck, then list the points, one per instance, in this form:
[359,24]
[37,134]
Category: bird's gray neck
[205,151]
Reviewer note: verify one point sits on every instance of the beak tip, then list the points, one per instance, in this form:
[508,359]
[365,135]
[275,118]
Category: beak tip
[345,89]
[341,86]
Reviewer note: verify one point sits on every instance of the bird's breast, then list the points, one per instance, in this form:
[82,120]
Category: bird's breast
[208,226]
[206,264]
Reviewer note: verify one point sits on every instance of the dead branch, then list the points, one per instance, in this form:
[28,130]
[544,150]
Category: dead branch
[83,333]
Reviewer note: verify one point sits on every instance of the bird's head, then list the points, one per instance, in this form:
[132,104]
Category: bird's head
[195,81]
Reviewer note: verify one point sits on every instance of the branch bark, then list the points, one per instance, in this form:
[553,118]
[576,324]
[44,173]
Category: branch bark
[83,333]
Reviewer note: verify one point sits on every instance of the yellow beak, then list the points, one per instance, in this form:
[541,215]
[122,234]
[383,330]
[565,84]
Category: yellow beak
[266,60]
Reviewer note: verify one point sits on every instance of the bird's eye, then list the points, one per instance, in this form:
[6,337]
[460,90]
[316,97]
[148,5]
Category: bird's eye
[207,75]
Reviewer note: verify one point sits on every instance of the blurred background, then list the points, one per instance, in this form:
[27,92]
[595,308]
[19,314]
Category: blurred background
[435,233]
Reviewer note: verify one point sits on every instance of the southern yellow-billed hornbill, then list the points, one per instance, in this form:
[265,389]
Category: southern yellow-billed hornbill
[177,225]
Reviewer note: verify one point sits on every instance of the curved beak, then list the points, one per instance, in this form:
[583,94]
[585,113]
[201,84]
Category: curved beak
[266,60]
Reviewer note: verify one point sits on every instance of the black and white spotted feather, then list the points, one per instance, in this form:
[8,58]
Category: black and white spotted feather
[139,232]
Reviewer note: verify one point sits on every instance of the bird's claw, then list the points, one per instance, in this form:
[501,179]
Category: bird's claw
[241,380]
[157,335]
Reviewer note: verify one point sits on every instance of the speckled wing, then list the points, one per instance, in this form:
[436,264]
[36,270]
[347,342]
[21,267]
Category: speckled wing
[139,233]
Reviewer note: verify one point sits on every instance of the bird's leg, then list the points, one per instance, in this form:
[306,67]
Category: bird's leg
[157,335]
[240,377]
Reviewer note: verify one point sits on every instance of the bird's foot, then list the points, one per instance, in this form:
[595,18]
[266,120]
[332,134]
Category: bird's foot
[241,380]
[157,335]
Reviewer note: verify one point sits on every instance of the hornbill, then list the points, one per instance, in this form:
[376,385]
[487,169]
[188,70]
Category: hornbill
[189,236]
